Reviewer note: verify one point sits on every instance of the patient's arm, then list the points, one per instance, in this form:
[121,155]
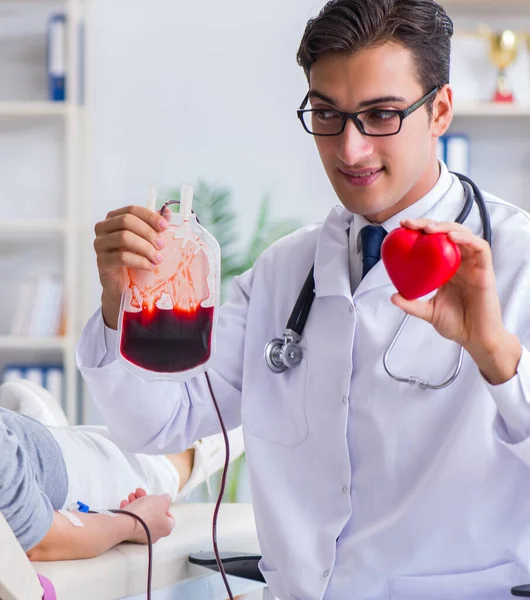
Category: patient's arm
[64,541]
[183,462]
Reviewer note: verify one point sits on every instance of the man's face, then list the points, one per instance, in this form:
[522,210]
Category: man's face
[376,176]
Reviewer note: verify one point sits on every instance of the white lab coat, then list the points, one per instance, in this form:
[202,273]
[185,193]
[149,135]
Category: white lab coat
[364,489]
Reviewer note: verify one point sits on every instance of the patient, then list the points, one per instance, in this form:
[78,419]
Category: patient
[46,466]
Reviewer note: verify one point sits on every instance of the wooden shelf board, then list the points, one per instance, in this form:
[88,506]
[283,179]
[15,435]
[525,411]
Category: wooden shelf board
[489,5]
[33,109]
[490,109]
[40,227]
[8,342]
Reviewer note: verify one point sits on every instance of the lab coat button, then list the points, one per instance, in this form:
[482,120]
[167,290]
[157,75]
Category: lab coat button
[325,574]
[351,309]
[344,400]
[345,489]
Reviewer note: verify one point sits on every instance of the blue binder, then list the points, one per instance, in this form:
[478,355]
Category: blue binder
[56,57]
[455,150]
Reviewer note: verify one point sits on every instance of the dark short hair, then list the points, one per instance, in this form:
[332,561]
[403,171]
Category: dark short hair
[422,26]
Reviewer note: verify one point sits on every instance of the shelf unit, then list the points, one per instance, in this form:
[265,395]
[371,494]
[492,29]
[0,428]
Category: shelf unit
[65,228]
[487,5]
[491,109]
[10,342]
[33,109]
[499,150]
[513,9]
[39,227]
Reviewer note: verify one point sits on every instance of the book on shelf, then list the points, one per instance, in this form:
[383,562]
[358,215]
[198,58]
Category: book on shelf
[50,377]
[56,57]
[455,151]
[39,311]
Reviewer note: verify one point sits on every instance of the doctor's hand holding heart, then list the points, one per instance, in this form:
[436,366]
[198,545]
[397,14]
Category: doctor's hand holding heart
[425,255]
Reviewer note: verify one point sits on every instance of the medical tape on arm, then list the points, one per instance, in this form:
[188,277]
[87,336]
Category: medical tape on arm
[83,508]
[71,517]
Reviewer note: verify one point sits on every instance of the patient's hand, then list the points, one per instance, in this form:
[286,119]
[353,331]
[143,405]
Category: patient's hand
[138,493]
[154,511]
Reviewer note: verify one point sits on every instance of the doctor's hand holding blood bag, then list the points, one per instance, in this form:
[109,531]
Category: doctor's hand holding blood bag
[128,238]
[168,311]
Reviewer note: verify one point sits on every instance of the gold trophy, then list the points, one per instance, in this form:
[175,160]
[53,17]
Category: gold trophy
[503,52]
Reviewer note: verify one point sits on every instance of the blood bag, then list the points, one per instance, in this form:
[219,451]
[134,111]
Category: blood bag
[168,315]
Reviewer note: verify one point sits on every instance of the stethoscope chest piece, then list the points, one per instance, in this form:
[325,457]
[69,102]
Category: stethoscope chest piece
[281,355]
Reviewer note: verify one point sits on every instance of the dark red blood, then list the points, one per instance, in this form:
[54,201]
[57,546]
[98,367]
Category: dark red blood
[167,341]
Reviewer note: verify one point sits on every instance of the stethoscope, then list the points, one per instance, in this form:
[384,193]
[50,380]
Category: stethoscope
[286,353]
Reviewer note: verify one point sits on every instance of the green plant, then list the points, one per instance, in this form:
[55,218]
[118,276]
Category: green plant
[216,213]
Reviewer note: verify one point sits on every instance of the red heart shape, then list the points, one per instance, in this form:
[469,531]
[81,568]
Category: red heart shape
[419,263]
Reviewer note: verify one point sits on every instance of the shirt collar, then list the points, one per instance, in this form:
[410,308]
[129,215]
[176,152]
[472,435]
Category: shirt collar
[416,211]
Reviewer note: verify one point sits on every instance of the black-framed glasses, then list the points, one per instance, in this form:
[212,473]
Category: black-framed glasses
[375,122]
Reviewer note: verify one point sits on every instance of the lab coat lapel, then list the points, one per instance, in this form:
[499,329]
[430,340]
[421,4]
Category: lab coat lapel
[451,205]
[332,275]
[376,278]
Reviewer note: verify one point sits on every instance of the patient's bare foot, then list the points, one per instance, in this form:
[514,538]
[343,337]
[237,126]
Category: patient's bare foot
[183,462]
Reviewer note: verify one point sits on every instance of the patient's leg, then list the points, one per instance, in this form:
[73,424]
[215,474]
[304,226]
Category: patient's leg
[183,463]
[99,473]
[209,457]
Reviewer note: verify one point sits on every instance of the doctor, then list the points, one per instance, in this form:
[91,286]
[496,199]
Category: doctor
[364,488]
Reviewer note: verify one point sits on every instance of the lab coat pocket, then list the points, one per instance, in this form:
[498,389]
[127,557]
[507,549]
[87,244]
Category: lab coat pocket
[489,584]
[273,405]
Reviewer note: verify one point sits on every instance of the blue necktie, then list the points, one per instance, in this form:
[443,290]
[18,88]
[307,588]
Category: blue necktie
[372,237]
